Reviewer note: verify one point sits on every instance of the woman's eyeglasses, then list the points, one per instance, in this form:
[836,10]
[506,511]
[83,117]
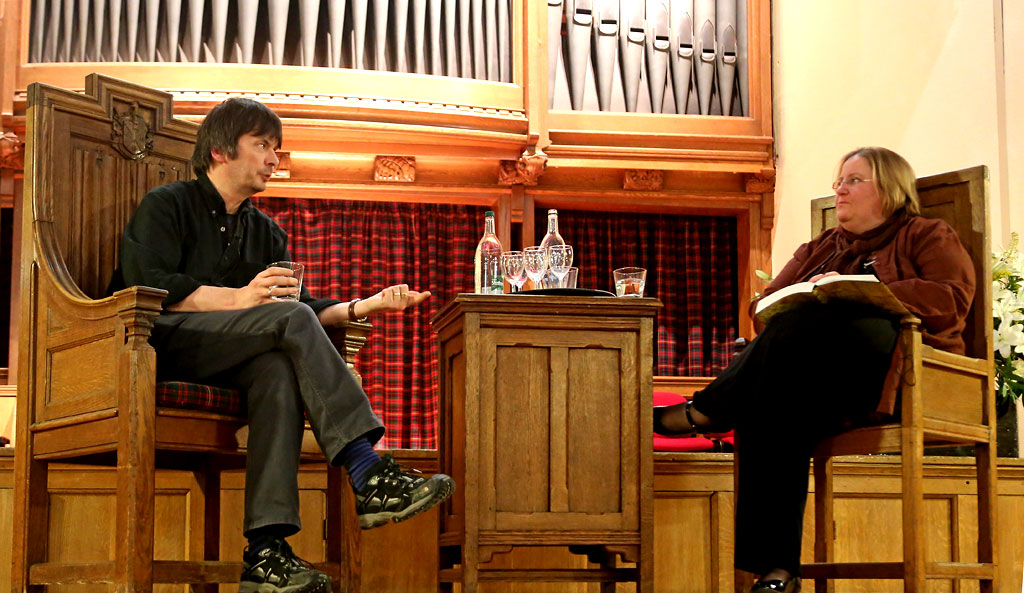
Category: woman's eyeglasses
[850,183]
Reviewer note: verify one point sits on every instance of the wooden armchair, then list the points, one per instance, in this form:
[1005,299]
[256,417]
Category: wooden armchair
[947,399]
[87,389]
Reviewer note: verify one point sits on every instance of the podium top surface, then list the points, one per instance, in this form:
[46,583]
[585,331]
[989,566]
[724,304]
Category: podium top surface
[545,305]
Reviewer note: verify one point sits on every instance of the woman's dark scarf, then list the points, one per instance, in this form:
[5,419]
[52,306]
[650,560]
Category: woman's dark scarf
[847,252]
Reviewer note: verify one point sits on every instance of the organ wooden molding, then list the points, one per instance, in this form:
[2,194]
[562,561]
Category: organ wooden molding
[286,81]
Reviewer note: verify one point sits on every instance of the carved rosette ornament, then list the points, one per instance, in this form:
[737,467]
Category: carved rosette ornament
[525,170]
[643,180]
[12,152]
[131,135]
[400,169]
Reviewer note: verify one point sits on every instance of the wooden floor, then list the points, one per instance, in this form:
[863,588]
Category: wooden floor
[693,524]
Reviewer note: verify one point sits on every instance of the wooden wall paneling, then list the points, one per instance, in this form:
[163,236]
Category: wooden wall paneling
[682,385]
[6,514]
[693,526]
[690,568]
[1011,539]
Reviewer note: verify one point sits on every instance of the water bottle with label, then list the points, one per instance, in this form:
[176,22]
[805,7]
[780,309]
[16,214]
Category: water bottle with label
[550,280]
[487,277]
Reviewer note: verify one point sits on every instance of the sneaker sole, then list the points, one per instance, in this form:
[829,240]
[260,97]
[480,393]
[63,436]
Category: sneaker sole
[371,520]
[318,587]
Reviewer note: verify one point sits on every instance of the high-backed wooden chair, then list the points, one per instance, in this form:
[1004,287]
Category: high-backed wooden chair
[946,399]
[87,388]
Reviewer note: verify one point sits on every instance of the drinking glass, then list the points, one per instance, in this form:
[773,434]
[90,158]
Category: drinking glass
[560,260]
[515,269]
[629,282]
[570,278]
[535,260]
[296,269]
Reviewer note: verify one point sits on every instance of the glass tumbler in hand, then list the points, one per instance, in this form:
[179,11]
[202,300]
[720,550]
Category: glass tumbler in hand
[535,260]
[560,260]
[515,269]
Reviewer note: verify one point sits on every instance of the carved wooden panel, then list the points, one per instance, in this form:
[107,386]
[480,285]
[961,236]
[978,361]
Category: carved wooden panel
[96,187]
[394,168]
[643,179]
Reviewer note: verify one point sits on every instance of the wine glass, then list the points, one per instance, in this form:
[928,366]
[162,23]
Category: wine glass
[515,269]
[535,260]
[560,260]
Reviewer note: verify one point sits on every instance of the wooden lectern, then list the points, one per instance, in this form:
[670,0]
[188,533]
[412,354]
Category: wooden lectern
[545,424]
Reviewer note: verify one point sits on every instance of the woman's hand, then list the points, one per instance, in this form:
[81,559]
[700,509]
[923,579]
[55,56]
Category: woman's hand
[817,277]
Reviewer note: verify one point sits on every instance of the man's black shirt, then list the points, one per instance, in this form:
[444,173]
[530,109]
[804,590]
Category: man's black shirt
[181,237]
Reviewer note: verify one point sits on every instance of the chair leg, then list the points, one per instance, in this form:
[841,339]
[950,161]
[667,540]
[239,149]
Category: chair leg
[913,510]
[824,524]
[343,533]
[209,484]
[31,517]
[987,491]
[133,566]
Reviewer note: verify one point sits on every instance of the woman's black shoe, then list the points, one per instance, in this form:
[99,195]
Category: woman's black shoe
[694,430]
[790,585]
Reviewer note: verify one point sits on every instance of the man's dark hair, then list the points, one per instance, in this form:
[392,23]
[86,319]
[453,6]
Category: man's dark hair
[226,123]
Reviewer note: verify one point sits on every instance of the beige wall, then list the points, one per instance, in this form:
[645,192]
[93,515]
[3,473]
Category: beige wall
[925,78]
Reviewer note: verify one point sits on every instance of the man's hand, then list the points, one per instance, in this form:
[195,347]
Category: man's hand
[392,298]
[258,292]
[272,282]
[395,298]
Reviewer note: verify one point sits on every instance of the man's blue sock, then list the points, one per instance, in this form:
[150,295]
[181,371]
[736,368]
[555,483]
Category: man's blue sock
[358,457]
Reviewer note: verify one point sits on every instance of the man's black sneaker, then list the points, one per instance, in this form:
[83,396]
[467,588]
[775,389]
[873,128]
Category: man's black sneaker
[392,494]
[276,569]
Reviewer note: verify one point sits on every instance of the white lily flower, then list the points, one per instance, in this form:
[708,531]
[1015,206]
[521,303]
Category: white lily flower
[1018,367]
[1008,313]
[1007,337]
[1007,310]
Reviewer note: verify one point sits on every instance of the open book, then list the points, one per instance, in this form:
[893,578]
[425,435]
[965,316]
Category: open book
[860,288]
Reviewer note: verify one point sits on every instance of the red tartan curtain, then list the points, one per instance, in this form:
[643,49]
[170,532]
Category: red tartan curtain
[354,249]
[691,267]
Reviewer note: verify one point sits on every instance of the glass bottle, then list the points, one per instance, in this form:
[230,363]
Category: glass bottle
[552,237]
[487,278]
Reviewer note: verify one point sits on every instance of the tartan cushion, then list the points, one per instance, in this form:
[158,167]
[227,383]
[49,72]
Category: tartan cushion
[205,398]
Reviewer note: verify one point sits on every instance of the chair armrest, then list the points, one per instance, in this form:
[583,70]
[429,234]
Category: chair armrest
[77,348]
[349,337]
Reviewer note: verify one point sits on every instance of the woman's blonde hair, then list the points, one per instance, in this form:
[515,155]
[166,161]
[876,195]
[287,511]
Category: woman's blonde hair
[893,176]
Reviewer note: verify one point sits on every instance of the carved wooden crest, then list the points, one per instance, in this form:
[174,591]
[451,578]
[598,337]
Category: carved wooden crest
[131,135]
[526,170]
[643,180]
[763,183]
[400,169]
[12,152]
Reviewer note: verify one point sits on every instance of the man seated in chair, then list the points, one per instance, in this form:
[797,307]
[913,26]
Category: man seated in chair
[222,324]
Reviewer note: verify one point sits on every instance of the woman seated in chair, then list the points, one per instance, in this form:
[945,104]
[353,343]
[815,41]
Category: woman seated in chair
[818,369]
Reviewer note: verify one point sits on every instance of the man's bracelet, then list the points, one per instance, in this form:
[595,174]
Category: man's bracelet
[352,310]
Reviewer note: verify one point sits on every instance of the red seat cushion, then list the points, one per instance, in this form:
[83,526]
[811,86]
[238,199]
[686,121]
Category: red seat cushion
[205,398]
[682,443]
[688,443]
